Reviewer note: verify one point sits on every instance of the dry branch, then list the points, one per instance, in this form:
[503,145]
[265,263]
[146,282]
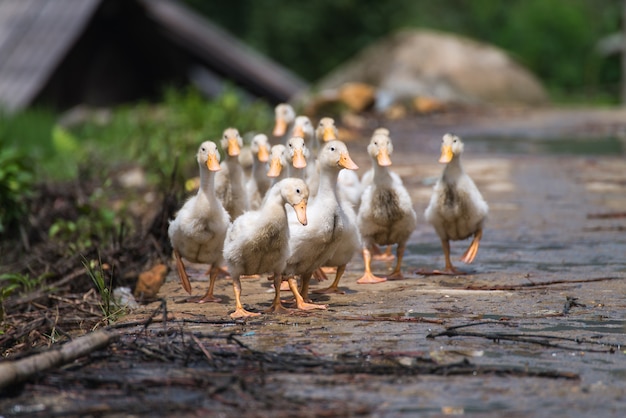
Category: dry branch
[17,371]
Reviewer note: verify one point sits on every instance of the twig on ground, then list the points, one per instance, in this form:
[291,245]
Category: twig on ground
[16,371]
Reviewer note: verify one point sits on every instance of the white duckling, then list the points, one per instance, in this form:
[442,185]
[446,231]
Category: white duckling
[284,116]
[456,210]
[386,215]
[198,230]
[348,244]
[313,245]
[229,183]
[259,182]
[303,128]
[258,241]
[298,154]
[366,180]
[348,181]
[279,163]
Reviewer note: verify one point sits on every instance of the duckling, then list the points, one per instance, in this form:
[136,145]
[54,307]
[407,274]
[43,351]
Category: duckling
[229,183]
[198,230]
[259,182]
[303,128]
[313,245]
[279,163]
[456,210]
[298,154]
[366,180]
[348,244]
[284,116]
[348,182]
[258,241]
[386,215]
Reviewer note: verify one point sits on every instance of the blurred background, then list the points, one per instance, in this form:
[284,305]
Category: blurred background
[92,90]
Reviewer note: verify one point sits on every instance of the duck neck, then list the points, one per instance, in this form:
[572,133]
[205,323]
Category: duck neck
[274,203]
[328,182]
[207,183]
[381,174]
[235,171]
[453,169]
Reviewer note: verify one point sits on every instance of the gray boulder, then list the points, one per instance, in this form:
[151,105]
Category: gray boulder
[442,66]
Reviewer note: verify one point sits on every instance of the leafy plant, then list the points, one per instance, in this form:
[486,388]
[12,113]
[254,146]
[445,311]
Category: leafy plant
[96,273]
[16,182]
[14,282]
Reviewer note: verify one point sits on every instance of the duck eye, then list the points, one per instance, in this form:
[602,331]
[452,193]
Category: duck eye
[332,148]
[298,191]
[454,140]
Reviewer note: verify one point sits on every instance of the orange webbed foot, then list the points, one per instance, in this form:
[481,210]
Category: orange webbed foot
[369,278]
[242,313]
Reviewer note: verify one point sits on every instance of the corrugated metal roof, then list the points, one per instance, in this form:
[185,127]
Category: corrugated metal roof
[35,35]
[223,52]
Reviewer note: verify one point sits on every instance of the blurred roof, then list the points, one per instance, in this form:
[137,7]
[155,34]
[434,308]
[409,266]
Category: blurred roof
[103,52]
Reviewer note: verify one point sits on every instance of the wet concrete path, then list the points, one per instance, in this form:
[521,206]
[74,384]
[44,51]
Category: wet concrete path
[546,294]
[536,327]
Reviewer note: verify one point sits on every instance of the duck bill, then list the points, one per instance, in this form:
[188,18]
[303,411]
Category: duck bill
[446,154]
[263,155]
[275,168]
[300,209]
[212,163]
[298,131]
[346,162]
[298,159]
[233,147]
[383,158]
[329,134]
[280,127]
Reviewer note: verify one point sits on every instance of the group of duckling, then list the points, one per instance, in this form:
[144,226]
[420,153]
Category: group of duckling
[303,207]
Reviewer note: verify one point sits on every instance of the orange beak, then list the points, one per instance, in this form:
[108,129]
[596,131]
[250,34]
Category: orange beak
[233,147]
[298,159]
[263,154]
[329,134]
[383,158]
[298,131]
[300,209]
[346,162]
[280,127]
[446,154]
[212,163]
[275,168]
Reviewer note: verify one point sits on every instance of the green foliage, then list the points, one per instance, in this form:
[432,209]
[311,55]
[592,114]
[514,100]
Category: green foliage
[156,135]
[555,39]
[16,182]
[96,223]
[14,282]
[104,288]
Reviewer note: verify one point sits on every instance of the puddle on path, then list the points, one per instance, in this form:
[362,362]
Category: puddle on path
[547,146]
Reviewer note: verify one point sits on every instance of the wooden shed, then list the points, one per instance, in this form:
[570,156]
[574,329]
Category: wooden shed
[103,52]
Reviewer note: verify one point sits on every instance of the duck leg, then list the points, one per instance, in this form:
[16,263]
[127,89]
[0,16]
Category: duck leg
[396,274]
[300,303]
[208,296]
[334,288]
[368,277]
[450,269]
[277,304]
[240,312]
[182,273]
[471,252]
[378,256]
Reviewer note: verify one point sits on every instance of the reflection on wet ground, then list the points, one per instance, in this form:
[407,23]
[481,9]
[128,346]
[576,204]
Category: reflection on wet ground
[543,307]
